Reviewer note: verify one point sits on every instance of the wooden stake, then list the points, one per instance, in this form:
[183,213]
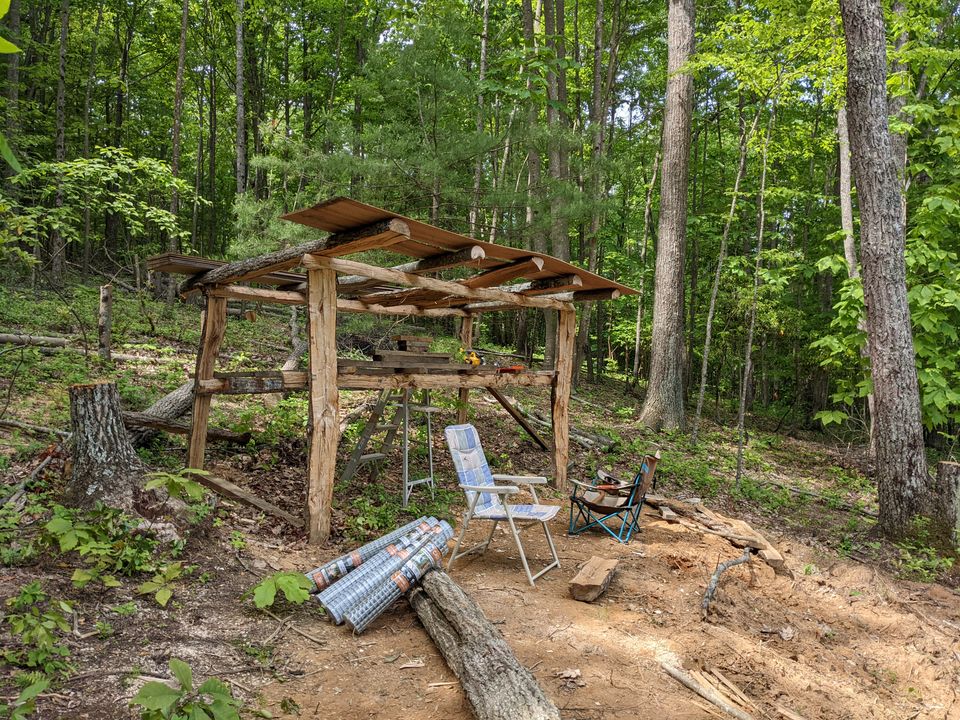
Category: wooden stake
[214,326]
[466,342]
[566,335]
[105,320]
[324,430]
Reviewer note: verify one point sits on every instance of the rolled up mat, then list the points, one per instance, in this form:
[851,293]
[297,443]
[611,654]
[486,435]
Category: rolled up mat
[328,596]
[329,573]
[345,598]
[380,598]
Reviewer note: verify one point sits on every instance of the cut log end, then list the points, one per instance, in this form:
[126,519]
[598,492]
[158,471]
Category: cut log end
[593,579]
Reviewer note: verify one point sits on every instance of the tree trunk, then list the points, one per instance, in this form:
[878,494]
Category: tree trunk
[13,77]
[169,407]
[478,168]
[497,686]
[241,168]
[91,74]
[647,213]
[663,405]
[173,244]
[58,246]
[945,507]
[902,480]
[105,321]
[105,466]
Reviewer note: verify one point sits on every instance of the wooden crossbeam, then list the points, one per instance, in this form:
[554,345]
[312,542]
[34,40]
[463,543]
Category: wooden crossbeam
[362,306]
[242,292]
[435,263]
[518,416]
[569,297]
[518,269]
[294,297]
[442,286]
[561,283]
[379,234]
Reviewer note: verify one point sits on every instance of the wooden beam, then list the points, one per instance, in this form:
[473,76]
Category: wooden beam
[381,234]
[434,263]
[466,342]
[556,284]
[568,297]
[323,422]
[443,286]
[235,492]
[517,269]
[560,400]
[397,381]
[518,416]
[211,336]
[360,306]
[242,292]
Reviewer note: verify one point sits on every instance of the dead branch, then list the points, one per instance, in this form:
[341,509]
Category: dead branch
[707,693]
[715,579]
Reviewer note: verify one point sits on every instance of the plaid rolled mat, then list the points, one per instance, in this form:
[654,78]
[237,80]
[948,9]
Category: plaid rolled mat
[360,616]
[327,574]
[338,600]
[328,597]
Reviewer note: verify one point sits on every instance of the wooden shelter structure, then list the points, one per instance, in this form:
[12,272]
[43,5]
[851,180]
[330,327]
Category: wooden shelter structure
[332,283]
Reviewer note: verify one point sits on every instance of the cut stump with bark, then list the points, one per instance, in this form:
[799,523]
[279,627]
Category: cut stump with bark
[945,507]
[593,579]
[496,684]
[105,466]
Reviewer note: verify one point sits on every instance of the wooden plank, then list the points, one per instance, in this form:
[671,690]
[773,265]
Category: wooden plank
[473,255]
[593,578]
[242,292]
[566,335]
[323,425]
[379,234]
[211,336]
[518,416]
[438,380]
[388,356]
[444,286]
[235,492]
[360,306]
[466,342]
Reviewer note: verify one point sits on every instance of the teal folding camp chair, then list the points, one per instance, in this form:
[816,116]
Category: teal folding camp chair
[484,497]
[610,500]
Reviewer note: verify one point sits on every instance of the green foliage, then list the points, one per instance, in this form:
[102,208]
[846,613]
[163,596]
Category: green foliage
[918,559]
[25,703]
[179,484]
[38,623]
[212,700]
[294,586]
[161,584]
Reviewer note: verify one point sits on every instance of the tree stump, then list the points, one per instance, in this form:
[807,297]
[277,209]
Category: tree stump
[105,466]
[496,684]
[945,507]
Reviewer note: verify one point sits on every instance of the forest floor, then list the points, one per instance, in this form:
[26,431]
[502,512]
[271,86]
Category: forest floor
[858,628]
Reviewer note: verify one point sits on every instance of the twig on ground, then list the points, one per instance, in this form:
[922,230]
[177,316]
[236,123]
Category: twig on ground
[707,693]
[715,579]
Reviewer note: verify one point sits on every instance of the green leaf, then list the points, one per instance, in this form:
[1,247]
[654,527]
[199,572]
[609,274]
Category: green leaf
[40,685]
[223,709]
[7,47]
[264,593]
[81,577]
[163,596]
[156,696]
[182,672]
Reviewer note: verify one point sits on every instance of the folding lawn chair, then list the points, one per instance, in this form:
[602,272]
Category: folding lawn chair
[608,498]
[484,497]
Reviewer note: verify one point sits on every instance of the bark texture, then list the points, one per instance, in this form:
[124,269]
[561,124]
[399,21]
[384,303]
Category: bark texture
[105,466]
[497,686]
[902,480]
[663,406]
[169,407]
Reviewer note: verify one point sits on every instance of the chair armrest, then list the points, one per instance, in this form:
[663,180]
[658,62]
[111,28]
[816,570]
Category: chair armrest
[522,479]
[491,489]
[585,486]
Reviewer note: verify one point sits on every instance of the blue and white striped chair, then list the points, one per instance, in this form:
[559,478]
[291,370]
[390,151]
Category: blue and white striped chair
[484,497]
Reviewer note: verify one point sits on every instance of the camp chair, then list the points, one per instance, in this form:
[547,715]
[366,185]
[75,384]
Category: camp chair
[484,497]
[608,498]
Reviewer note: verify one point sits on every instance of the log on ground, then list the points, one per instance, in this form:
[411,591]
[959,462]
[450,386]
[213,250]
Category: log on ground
[497,686]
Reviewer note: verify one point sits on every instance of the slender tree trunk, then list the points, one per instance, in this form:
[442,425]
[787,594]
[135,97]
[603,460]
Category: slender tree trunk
[58,246]
[241,105]
[173,243]
[721,257]
[213,245]
[91,70]
[478,168]
[663,405]
[902,480]
[647,212]
[748,353]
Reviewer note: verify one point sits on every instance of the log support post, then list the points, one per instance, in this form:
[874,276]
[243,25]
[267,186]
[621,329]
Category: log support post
[566,335]
[211,336]
[466,341]
[323,428]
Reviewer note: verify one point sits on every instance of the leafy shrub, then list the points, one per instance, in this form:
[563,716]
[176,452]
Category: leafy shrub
[212,700]
[25,703]
[36,622]
[294,586]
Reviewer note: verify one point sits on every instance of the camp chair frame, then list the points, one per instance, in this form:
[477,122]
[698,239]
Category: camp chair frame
[513,515]
[608,498]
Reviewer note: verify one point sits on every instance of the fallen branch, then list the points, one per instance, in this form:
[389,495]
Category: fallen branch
[707,693]
[35,340]
[715,579]
[35,429]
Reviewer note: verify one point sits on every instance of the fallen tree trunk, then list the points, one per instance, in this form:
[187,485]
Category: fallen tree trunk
[137,422]
[169,407]
[36,340]
[497,686]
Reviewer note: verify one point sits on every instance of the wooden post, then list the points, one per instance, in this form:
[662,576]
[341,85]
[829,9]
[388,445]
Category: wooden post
[323,428]
[105,320]
[566,334]
[466,341]
[214,326]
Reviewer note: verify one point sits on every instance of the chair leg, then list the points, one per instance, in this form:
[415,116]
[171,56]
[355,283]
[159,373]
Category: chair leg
[463,531]
[553,549]
[523,557]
